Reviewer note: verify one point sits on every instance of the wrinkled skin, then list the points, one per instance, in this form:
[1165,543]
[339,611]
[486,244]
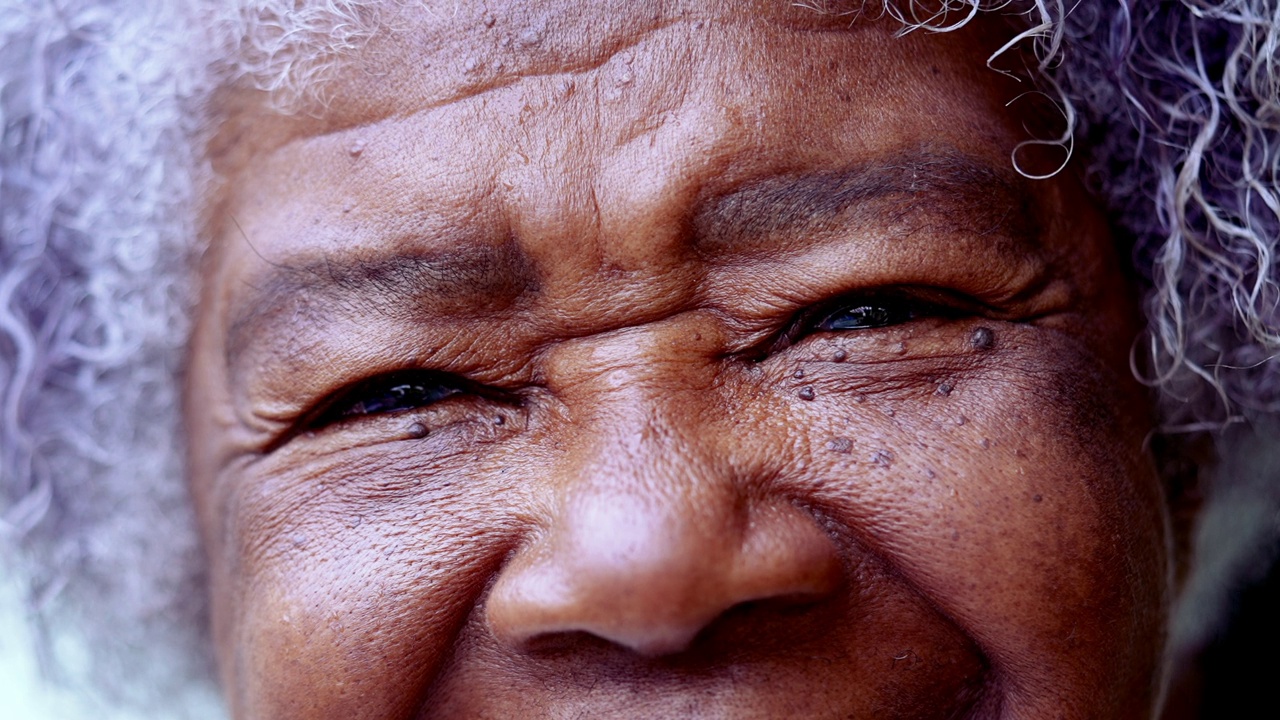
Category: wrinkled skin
[654,462]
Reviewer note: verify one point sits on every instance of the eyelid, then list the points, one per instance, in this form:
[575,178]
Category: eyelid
[338,406]
[323,414]
[923,301]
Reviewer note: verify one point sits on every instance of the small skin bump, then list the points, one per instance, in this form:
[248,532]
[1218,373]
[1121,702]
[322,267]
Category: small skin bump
[807,393]
[840,445]
[417,431]
[983,338]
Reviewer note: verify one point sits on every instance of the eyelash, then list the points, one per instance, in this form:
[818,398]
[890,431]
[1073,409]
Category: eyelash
[869,312]
[388,394]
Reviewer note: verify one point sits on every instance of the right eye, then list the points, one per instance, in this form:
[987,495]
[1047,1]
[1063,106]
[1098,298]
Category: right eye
[385,394]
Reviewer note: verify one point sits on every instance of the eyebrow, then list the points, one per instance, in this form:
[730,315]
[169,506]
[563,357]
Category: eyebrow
[923,188]
[467,277]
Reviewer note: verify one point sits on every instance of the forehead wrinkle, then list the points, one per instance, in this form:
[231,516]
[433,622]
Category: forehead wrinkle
[925,188]
[462,280]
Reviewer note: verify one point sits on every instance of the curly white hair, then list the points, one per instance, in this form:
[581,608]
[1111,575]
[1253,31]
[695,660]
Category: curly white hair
[1174,107]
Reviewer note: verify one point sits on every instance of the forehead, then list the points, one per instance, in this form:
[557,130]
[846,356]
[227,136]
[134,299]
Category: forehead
[494,121]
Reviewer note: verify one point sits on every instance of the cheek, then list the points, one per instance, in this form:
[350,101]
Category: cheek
[353,575]
[1011,490]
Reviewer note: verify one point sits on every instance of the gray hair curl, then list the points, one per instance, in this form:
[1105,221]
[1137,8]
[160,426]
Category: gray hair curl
[1175,104]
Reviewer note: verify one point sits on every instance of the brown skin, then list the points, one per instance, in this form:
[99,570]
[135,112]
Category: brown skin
[662,485]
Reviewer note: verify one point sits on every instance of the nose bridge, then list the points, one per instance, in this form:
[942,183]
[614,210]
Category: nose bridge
[652,533]
[643,481]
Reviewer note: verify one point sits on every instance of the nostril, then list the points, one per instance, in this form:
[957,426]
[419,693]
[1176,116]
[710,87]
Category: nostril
[656,587]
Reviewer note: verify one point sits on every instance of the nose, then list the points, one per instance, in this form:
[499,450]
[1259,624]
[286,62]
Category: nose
[649,577]
[652,535]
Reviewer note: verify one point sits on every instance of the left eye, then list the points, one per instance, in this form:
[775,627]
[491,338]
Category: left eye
[394,392]
[867,314]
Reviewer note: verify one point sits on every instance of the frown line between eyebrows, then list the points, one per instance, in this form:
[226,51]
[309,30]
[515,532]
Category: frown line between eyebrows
[775,215]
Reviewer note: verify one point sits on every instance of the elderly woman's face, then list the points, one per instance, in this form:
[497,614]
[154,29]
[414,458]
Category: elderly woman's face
[625,361]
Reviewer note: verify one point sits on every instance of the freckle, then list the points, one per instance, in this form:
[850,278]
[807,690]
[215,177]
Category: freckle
[961,420]
[955,535]
[839,356]
[982,339]
[807,393]
[699,25]
[883,458]
[1037,498]
[944,389]
[890,412]
[840,445]
[932,475]
[355,148]
[417,431]
[860,398]
[798,374]
[985,443]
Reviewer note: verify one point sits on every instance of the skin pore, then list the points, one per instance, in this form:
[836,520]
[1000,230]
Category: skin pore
[635,360]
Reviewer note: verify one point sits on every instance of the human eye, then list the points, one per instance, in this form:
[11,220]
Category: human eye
[386,394]
[867,314]
[871,311]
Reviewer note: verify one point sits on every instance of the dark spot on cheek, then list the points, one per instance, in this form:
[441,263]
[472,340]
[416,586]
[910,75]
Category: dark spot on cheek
[840,445]
[986,444]
[499,420]
[417,431]
[983,338]
[798,374]
[839,356]
[807,393]
[944,388]
[1037,498]
[883,458]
